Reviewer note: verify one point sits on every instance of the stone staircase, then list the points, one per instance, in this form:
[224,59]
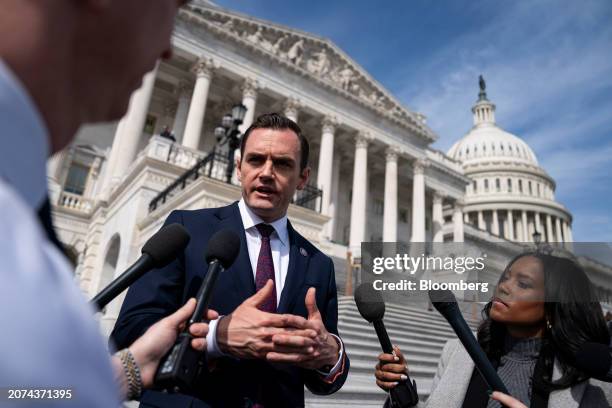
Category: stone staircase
[419,333]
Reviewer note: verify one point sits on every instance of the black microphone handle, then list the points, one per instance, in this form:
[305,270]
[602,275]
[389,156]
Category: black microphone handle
[405,394]
[205,292]
[144,264]
[383,337]
[481,361]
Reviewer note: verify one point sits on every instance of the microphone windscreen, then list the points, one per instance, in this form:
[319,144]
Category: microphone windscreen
[166,244]
[444,301]
[224,246]
[369,302]
[594,359]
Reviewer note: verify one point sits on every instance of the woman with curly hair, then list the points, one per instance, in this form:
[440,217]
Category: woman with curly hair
[543,309]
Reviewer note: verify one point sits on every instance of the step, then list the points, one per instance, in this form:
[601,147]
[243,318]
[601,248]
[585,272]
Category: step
[407,327]
[355,330]
[406,347]
[407,312]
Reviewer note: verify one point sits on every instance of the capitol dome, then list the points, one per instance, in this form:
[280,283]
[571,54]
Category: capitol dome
[486,142]
[510,196]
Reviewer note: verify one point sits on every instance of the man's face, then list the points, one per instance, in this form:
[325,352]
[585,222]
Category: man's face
[119,41]
[270,172]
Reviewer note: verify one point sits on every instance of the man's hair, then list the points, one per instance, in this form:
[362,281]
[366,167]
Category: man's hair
[277,121]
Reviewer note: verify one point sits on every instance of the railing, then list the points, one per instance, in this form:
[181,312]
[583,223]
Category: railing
[214,166]
[163,149]
[75,202]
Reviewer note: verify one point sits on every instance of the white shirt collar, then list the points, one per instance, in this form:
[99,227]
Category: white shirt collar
[25,141]
[250,220]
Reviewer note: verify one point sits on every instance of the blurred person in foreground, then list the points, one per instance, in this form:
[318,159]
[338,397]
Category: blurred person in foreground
[544,308]
[64,63]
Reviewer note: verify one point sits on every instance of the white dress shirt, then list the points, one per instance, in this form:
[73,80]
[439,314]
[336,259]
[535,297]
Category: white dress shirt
[49,338]
[279,244]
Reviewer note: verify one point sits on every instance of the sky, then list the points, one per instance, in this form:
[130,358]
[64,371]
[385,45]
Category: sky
[547,64]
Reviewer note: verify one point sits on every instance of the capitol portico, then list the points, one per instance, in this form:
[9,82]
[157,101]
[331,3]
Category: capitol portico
[374,175]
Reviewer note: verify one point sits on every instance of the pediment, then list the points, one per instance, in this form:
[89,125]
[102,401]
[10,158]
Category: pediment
[309,55]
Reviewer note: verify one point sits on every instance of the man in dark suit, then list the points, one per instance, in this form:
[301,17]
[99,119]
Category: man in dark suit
[278,302]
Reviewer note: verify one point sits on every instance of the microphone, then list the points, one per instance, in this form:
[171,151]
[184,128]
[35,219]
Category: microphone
[372,308]
[182,365]
[444,301]
[595,360]
[161,249]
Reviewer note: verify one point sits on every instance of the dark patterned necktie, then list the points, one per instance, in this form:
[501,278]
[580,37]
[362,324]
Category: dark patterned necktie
[265,267]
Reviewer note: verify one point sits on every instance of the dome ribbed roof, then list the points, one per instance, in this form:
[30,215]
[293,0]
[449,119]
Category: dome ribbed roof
[490,143]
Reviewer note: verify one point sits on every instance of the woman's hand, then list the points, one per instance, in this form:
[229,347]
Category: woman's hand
[507,400]
[391,369]
[152,346]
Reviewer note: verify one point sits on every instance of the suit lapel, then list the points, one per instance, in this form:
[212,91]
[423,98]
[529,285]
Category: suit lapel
[229,218]
[296,271]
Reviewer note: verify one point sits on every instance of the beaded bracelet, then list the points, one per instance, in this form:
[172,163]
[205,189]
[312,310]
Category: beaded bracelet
[132,373]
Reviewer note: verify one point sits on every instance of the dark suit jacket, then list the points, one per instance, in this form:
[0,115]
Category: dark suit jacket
[233,383]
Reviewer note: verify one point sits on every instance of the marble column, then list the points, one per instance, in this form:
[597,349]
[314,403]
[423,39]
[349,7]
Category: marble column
[333,205]
[505,225]
[566,235]
[466,218]
[558,230]
[458,235]
[549,231]
[249,99]
[292,109]
[54,166]
[538,223]
[326,161]
[391,200]
[510,219]
[437,217]
[92,177]
[418,201]
[195,119]
[481,222]
[129,131]
[182,110]
[524,225]
[495,223]
[359,198]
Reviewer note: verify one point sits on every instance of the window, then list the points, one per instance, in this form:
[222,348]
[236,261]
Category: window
[520,187]
[509,185]
[497,185]
[486,185]
[475,186]
[76,179]
[403,215]
[539,190]
[530,188]
[149,127]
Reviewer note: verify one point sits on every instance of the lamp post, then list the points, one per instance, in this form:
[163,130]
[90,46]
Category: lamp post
[541,247]
[228,133]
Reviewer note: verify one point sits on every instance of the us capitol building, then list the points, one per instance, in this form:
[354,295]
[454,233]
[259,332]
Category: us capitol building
[375,175]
